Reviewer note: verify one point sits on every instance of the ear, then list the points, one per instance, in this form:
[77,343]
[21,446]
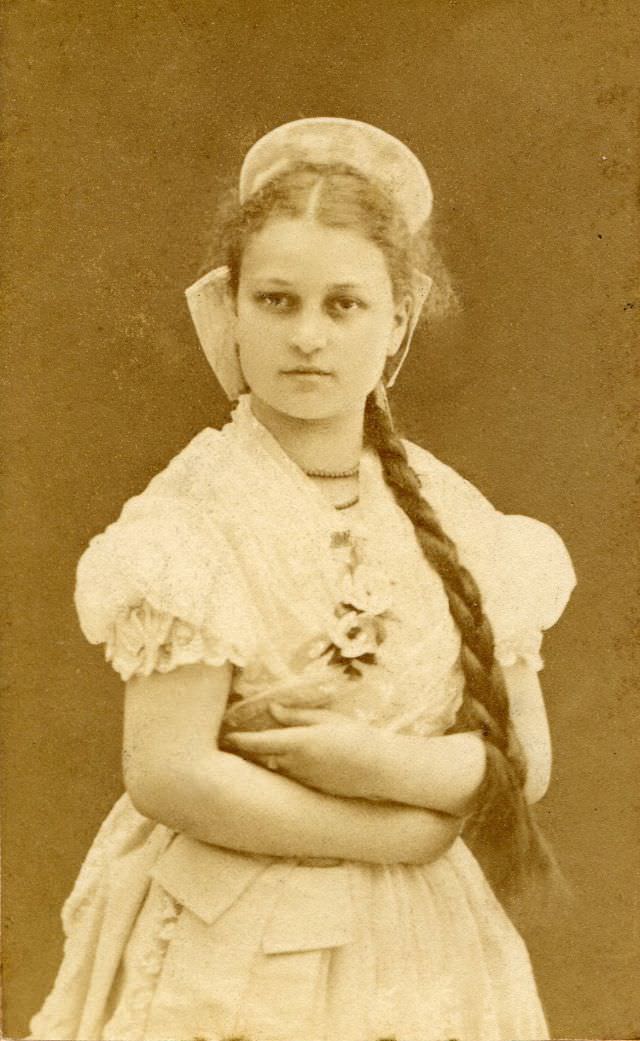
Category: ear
[401,318]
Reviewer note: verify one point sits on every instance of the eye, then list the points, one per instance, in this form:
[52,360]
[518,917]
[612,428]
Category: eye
[343,305]
[276,301]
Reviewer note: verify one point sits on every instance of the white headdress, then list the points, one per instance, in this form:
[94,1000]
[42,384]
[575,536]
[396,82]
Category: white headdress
[322,139]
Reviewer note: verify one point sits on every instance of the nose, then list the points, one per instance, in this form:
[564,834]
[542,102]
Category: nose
[310,333]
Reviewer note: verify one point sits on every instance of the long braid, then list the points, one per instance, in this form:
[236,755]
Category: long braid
[502,829]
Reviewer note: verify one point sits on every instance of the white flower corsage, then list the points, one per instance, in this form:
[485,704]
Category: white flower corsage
[358,629]
[317,669]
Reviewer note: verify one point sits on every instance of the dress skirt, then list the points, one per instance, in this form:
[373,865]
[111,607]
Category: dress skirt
[170,938]
[333,952]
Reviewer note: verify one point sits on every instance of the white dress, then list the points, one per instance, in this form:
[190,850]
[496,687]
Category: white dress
[231,553]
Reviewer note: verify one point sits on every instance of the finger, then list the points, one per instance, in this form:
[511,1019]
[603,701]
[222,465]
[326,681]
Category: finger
[274,763]
[313,698]
[262,742]
[309,696]
[291,715]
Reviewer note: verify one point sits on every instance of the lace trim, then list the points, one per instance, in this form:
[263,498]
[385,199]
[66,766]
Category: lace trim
[130,1020]
[119,826]
[143,640]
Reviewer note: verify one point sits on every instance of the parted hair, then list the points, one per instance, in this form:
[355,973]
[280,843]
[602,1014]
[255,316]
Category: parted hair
[501,827]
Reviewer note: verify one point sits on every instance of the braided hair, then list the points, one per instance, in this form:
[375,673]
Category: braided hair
[501,828]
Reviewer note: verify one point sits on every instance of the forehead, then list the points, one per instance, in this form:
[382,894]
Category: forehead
[301,249]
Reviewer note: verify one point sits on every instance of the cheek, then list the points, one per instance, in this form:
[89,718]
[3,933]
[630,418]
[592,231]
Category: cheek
[252,341]
[254,326]
[374,337]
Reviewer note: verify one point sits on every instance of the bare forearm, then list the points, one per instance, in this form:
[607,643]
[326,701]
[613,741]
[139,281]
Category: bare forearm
[444,773]
[530,721]
[439,773]
[227,801]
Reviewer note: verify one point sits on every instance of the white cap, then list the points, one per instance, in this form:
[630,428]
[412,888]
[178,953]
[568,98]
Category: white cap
[325,139]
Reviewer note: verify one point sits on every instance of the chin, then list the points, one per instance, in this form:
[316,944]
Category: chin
[310,405]
[307,408]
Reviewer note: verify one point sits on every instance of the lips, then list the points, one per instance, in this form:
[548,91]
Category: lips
[306,372]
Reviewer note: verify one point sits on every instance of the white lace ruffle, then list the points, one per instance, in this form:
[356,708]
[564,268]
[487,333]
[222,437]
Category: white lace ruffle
[130,1020]
[167,553]
[122,832]
[122,827]
[143,640]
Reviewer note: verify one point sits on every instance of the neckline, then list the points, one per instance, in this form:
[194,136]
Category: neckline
[246,423]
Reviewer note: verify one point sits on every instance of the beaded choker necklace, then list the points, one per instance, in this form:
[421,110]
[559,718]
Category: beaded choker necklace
[333,475]
[336,475]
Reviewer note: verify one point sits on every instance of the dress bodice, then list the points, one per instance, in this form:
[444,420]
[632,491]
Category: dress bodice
[232,553]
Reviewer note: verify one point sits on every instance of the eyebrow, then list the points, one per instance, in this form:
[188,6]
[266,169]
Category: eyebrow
[340,286]
[273,281]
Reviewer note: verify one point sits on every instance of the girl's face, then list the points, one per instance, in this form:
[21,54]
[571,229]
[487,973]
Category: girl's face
[315,318]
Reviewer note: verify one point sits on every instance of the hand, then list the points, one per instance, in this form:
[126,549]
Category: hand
[252,712]
[319,748]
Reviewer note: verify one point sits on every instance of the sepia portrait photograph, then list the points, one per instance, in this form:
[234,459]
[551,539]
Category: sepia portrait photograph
[320,464]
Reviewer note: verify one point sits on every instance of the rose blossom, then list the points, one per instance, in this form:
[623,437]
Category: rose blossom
[355,634]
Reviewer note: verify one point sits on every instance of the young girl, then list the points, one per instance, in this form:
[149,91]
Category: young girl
[330,642]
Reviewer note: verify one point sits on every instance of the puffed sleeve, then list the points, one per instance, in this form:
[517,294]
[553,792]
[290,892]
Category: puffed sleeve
[529,579]
[161,587]
[521,565]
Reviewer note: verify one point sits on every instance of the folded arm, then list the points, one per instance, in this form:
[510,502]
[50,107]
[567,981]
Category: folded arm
[176,774]
[444,773]
[346,757]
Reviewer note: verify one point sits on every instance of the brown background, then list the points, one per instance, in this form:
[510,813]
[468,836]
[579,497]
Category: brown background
[123,119]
